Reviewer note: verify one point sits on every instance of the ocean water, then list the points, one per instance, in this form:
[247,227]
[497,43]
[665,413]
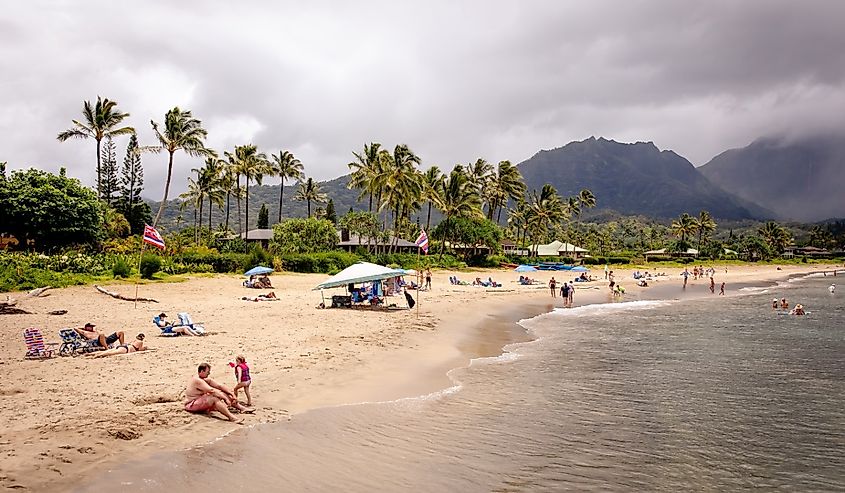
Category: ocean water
[707,394]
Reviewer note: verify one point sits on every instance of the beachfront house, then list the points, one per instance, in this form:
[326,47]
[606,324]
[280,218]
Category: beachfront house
[350,242]
[260,236]
[665,254]
[806,251]
[558,249]
[511,248]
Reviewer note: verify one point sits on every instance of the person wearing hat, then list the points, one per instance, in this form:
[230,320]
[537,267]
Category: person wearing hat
[103,340]
[169,329]
[798,310]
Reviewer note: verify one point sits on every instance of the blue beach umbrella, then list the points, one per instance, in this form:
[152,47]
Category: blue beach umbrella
[257,271]
[526,268]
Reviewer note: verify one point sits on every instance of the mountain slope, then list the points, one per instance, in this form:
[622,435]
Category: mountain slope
[802,180]
[634,179]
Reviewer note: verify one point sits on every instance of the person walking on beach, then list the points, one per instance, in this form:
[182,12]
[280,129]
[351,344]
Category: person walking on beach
[428,279]
[571,293]
[605,271]
[203,395]
[685,273]
[722,290]
[712,285]
[242,378]
[564,292]
[553,287]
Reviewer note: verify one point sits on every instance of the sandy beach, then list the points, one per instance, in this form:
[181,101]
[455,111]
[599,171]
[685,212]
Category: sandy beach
[71,417]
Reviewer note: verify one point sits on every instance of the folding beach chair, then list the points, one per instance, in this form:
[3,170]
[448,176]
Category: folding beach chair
[36,348]
[185,319]
[166,331]
[73,343]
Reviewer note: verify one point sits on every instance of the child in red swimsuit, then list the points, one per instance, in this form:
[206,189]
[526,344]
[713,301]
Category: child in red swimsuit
[242,378]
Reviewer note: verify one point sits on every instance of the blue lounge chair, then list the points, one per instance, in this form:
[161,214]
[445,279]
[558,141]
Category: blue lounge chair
[73,343]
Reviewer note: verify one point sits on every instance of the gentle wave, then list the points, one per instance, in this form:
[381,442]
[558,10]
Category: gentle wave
[594,309]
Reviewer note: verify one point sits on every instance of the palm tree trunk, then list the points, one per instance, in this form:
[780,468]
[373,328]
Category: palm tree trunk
[246,232]
[238,197]
[209,214]
[166,189]
[308,201]
[199,219]
[428,220]
[499,215]
[228,197]
[99,171]
[281,194]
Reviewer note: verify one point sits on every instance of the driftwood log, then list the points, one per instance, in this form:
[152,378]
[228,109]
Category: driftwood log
[9,309]
[121,297]
[39,291]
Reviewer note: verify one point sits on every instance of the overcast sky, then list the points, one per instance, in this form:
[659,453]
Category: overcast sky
[455,80]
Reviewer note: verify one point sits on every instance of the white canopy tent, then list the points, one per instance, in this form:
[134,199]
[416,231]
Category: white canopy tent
[358,273]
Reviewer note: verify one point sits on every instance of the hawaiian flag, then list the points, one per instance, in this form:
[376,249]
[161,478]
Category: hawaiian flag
[422,241]
[152,237]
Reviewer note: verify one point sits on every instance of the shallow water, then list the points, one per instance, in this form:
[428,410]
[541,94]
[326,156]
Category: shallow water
[720,393]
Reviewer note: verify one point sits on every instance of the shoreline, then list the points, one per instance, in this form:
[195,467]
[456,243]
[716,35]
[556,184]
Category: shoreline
[402,358]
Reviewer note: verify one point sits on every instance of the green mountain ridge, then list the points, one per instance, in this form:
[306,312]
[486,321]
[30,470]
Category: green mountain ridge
[797,179]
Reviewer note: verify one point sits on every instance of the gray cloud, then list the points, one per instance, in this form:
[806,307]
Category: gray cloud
[454,80]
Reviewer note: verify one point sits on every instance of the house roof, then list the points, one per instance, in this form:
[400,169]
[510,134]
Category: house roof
[355,240]
[259,234]
[570,248]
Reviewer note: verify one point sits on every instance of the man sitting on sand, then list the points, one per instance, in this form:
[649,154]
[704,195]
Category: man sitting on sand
[103,340]
[137,345]
[204,395]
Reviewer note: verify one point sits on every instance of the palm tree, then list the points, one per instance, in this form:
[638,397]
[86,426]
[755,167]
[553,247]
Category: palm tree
[432,185]
[683,227]
[309,191]
[705,225]
[586,198]
[544,209]
[506,183]
[253,165]
[286,166]
[210,178]
[775,235]
[99,122]
[401,184]
[459,198]
[365,169]
[182,132]
[193,196]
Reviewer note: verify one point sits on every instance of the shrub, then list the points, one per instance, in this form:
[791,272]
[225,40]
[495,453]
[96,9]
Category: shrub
[121,268]
[318,262]
[258,256]
[150,264]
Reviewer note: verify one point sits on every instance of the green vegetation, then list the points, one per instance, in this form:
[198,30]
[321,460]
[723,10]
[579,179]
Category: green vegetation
[150,264]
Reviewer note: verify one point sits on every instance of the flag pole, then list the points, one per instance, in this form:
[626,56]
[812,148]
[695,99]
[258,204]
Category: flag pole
[419,278]
[140,257]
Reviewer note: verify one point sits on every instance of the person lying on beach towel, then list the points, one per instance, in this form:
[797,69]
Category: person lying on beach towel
[271,296]
[134,347]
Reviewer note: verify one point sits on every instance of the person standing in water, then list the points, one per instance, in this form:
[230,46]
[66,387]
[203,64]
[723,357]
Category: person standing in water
[722,290]
[553,287]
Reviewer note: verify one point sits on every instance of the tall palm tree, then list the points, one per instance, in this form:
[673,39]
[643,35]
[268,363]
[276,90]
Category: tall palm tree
[683,227]
[432,184]
[775,235]
[586,198]
[401,184]
[182,132]
[286,167]
[365,169]
[704,225]
[309,191]
[252,165]
[210,178]
[100,120]
[194,196]
[544,209]
[459,198]
[506,183]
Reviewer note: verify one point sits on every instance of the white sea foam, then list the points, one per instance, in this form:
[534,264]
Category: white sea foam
[594,309]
